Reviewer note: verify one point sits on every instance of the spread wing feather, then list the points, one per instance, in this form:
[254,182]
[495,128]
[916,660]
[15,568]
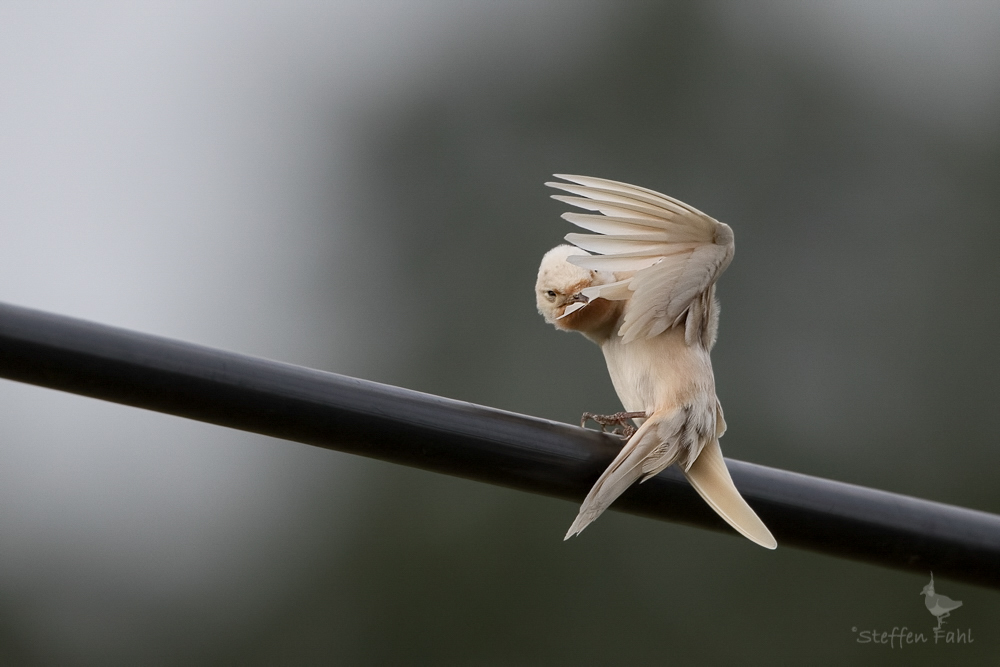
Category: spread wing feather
[671,253]
[603,225]
[622,210]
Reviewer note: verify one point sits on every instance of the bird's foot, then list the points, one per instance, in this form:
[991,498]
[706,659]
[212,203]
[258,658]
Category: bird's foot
[623,420]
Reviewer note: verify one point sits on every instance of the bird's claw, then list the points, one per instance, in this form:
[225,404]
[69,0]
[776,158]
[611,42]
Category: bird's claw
[622,420]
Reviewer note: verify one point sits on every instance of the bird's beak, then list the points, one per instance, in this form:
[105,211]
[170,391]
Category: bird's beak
[575,303]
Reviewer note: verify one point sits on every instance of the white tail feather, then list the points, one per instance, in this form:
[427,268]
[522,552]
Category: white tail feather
[710,478]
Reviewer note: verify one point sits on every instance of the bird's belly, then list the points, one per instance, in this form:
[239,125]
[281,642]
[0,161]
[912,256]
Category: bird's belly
[660,372]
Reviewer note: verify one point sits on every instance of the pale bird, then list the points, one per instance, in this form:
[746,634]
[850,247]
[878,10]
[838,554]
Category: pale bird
[648,299]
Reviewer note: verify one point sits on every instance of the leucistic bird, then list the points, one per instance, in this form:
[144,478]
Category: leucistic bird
[647,297]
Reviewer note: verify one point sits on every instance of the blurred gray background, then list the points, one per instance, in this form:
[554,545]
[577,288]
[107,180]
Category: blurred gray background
[357,187]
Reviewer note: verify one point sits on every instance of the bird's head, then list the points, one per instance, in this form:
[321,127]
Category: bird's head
[558,293]
[929,588]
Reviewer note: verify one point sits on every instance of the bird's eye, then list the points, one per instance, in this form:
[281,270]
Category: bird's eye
[550,294]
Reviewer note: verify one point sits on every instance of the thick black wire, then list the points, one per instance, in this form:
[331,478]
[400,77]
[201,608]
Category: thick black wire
[476,442]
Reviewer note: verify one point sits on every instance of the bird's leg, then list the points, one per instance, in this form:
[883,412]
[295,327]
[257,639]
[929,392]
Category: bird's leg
[620,419]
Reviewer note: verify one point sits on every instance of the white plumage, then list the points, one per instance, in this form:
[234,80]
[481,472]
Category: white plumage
[648,299]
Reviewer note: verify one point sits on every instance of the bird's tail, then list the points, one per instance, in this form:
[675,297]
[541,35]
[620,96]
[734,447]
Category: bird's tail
[646,453]
[660,441]
[621,474]
[710,478]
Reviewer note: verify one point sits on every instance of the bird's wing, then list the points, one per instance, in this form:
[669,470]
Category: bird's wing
[672,254]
